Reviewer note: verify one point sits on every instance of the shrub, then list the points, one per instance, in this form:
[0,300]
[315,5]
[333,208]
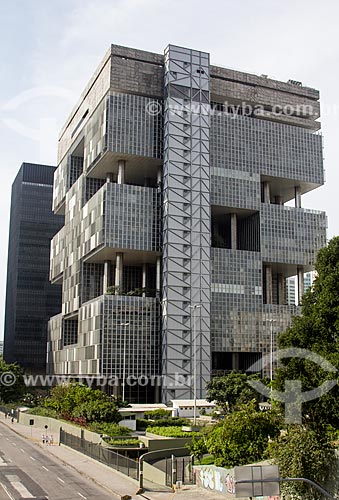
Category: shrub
[243,436]
[43,412]
[172,431]
[157,414]
[124,442]
[110,429]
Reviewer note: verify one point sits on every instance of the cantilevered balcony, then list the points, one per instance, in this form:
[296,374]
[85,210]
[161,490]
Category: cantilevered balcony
[291,236]
[120,217]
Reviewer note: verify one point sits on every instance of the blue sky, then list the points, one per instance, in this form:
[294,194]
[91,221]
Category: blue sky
[49,50]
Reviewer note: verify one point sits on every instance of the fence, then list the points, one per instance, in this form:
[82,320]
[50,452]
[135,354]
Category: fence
[175,469]
[104,455]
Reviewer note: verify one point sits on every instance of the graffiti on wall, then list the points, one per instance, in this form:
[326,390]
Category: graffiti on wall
[219,480]
[216,479]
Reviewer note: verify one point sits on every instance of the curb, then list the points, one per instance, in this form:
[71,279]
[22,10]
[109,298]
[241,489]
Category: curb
[119,496]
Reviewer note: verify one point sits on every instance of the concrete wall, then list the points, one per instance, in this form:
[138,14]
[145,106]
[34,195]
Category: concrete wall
[154,442]
[154,475]
[54,426]
[216,479]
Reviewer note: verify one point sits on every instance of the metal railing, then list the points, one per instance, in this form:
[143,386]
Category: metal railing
[106,456]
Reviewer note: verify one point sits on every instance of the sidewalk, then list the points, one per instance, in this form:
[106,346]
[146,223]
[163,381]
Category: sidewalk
[110,479]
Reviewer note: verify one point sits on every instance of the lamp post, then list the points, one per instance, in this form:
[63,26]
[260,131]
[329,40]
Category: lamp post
[194,307]
[271,350]
[124,362]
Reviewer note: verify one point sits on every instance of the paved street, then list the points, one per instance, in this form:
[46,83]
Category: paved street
[27,471]
[70,475]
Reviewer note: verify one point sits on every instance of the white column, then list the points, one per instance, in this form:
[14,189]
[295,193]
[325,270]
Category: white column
[158,276]
[234,235]
[267,193]
[144,279]
[118,272]
[107,271]
[159,175]
[109,177]
[121,171]
[300,280]
[297,191]
[278,200]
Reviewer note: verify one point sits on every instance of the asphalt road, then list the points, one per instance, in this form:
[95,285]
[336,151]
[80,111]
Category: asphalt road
[26,472]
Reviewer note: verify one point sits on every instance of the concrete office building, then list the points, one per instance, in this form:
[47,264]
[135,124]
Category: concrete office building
[1,347]
[30,297]
[173,177]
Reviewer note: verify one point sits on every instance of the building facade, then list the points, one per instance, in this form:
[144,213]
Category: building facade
[292,287]
[30,297]
[173,177]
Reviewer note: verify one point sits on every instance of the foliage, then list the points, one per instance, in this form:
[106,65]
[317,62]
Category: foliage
[243,435]
[35,397]
[143,424]
[12,386]
[110,429]
[172,431]
[76,401]
[198,447]
[157,414]
[301,452]
[97,411]
[124,442]
[43,412]
[316,330]
[231,390]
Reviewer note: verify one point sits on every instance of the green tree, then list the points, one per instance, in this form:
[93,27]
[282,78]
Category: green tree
[242,437]
[12,385]
[317,330]
[97,411]
[81,401]
[198,447]
[231,390]
[302,452]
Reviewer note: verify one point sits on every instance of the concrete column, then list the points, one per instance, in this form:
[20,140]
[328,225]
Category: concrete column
[281,289]
[235,361]
[278,200]
[118,272]
[234,233]
[267,192]
[159,176]
[297,191]
[300,280]
[269,285]
[147,182]
[144,279]
[121,171]
[158,276]
[157,391]
[109,177]
[107,273]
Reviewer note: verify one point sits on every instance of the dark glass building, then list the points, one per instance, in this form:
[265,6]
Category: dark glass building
[30,298]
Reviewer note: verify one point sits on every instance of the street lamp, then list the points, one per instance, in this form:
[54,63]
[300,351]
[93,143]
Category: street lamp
[194,307]
[124,362]
[271,349]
